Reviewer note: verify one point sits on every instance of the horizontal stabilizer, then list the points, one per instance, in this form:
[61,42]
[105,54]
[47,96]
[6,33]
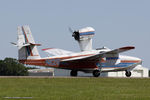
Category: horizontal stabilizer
[26,44]
[15,44]
[35,44]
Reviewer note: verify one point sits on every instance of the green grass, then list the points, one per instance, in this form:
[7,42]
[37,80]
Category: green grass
[76,88]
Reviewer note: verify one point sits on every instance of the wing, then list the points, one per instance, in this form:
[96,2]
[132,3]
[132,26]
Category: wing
[120,50]
[56,51]
[96,57]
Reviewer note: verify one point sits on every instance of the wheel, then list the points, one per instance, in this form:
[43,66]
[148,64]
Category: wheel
[96,73]
[128,73]
[73,73]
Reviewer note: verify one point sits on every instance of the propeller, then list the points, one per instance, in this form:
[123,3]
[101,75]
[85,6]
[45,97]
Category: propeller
[75,34]
[70,30]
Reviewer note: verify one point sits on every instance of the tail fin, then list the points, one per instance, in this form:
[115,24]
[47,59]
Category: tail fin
[27,49]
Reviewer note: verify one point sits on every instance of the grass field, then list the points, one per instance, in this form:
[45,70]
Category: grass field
[76,88]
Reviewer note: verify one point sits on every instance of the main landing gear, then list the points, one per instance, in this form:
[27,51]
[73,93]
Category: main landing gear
[128,73]
[96,73]
[73,73]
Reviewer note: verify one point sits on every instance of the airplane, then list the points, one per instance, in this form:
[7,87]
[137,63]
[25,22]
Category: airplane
[88,60]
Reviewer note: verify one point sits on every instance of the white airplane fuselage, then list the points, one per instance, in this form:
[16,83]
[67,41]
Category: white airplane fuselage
[107,64]
[88,60]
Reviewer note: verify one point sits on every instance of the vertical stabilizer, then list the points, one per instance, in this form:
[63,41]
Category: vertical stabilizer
[27,49]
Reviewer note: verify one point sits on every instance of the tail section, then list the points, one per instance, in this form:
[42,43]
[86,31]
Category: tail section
[27,49]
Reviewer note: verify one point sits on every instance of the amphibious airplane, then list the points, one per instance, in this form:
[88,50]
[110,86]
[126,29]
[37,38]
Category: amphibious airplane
[88,60]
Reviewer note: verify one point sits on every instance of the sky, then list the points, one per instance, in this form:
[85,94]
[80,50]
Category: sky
[117,23]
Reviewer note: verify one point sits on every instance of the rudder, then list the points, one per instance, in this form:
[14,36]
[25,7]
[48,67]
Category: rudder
[27,49]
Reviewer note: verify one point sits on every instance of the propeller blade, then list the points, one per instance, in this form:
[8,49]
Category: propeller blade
[70,30]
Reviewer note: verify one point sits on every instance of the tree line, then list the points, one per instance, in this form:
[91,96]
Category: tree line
[11,67]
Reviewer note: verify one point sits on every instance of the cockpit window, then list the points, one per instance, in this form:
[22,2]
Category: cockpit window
[101,48]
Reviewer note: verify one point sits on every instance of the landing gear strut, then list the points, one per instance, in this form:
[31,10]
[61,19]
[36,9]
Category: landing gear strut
[96,73]
[128,73]
[73,73]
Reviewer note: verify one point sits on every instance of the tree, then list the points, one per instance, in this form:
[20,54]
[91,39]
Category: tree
[11,67]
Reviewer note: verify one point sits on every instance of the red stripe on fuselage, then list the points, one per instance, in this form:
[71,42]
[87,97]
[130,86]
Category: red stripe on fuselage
[130,61]
[42,62]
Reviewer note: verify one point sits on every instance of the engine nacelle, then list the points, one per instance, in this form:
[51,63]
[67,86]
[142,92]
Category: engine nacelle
[84,38]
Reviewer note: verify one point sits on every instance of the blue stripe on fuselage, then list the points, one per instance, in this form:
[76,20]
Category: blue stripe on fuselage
[87,33]
[118,65]
[112,58]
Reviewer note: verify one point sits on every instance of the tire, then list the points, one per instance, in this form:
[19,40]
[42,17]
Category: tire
[73,73]
[128,73]
[96,73]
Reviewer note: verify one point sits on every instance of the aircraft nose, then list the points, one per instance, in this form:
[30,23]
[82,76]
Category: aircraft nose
[134,59]
[138,60]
